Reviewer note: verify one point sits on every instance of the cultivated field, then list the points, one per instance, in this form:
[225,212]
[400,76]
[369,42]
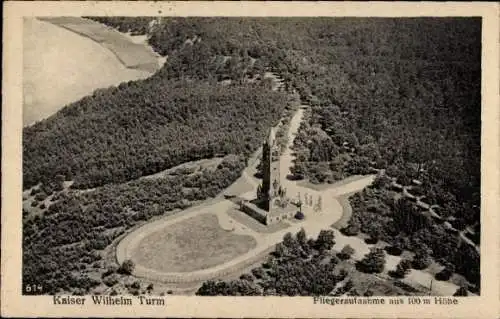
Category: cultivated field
[192,244]
[131,54]
[61,66]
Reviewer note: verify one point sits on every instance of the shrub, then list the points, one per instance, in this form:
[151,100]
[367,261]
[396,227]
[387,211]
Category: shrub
[421,261]
[136,285]
[371,240]
[258,272]
[246,277]
[461,292]
[373,262]
[326,240]
[111,280]
[368,293]
[334,260]
[394,250]
[134,292]
[402,269]
[299,215]
[350,230]
[127,267]
[444,275]
[374,231]
[40,196]
[346,252]
[381,182]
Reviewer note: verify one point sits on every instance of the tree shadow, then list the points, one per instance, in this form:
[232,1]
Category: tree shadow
[371,241]
[292,177]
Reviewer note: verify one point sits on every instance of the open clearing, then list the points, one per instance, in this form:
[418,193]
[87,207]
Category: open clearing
[61,66]
[192,244]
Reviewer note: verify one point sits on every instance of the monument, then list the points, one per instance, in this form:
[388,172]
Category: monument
[271,204]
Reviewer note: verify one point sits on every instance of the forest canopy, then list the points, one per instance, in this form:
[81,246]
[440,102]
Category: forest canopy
[396,94]
[140,128]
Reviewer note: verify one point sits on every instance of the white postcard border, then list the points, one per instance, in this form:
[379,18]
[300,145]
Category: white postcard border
[14,304]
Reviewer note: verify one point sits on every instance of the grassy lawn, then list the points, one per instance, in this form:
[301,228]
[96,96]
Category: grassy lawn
[192,244]
[253,224]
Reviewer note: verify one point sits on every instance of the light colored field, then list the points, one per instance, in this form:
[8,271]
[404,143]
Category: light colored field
[60,67]
[192,244]
[323,187]
[132,53]
[194,166]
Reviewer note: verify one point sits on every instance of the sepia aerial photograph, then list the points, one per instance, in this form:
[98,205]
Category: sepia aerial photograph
[251,156]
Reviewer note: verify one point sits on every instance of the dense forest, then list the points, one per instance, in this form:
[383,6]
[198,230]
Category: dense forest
[413,111]
[143,127]
[402,95]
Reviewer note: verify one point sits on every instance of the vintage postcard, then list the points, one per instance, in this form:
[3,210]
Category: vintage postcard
[250,159]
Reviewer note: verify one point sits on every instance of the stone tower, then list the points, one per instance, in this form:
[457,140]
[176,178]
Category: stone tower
[270,170]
